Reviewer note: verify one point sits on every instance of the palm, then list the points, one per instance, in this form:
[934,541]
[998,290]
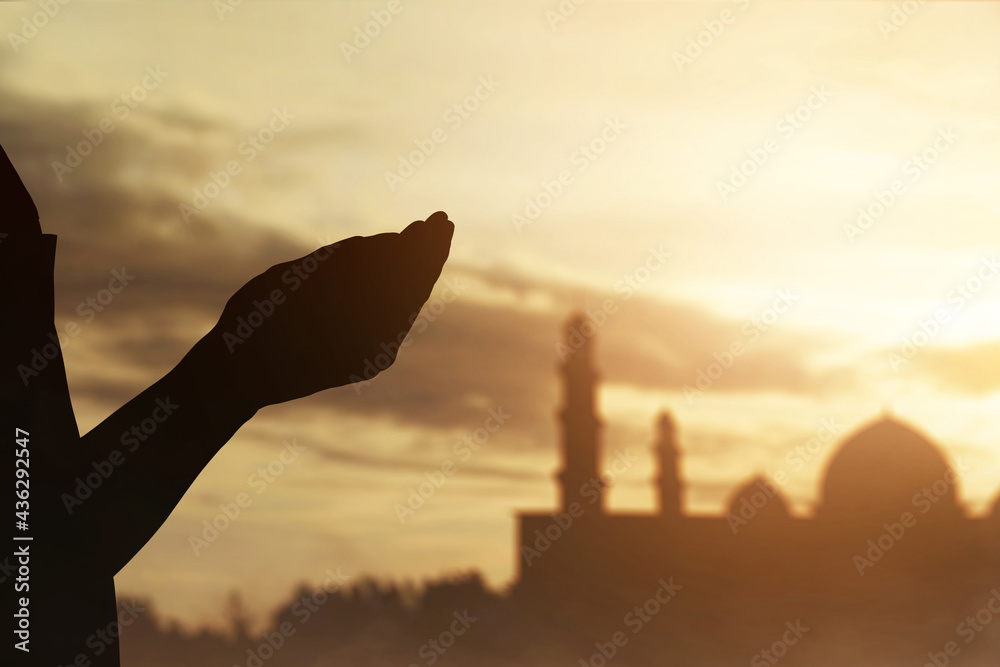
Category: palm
[330,318]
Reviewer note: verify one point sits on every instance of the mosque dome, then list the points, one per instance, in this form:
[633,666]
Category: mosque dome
[763,496]
[878,470]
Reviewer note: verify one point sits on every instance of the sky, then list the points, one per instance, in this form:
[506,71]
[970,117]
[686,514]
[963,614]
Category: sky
[698,166]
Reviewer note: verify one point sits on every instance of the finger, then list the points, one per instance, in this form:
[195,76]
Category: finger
[429,241]
[437,225]
[18,214]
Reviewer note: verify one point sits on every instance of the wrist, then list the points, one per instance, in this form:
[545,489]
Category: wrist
[208,371]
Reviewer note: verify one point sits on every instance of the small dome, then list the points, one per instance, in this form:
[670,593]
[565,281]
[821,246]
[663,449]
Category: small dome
[763,496]
[995,515]
[877,472]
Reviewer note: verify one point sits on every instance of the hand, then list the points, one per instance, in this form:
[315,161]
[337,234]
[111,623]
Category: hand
[328,319]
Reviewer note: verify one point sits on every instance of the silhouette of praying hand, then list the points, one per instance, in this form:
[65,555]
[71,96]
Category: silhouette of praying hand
[331,318]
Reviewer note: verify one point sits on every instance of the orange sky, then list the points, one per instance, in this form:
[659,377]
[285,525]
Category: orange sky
[839,112]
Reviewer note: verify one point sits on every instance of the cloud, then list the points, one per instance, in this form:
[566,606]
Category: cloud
[118,210]
[973,369]
[343,456]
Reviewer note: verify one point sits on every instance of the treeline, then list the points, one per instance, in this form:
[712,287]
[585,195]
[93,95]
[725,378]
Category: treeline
[359,624]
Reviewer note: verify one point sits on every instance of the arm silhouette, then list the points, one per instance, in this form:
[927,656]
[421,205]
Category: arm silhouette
[298,328]
[321,321]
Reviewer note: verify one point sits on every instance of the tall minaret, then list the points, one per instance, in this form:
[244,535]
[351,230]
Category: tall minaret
[578,418]
[669,481]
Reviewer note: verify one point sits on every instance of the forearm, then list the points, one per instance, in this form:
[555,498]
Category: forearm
[152,450]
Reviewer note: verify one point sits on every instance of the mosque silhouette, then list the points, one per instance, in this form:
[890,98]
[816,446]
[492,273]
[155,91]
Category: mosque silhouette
[889,570]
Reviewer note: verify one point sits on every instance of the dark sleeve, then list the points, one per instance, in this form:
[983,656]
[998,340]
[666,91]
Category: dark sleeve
[32,375]
[34,396]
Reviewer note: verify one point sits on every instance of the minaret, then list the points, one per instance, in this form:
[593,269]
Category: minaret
[669,481]
[578,418]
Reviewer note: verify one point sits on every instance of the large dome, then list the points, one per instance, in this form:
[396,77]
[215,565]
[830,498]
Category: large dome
[877,472]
